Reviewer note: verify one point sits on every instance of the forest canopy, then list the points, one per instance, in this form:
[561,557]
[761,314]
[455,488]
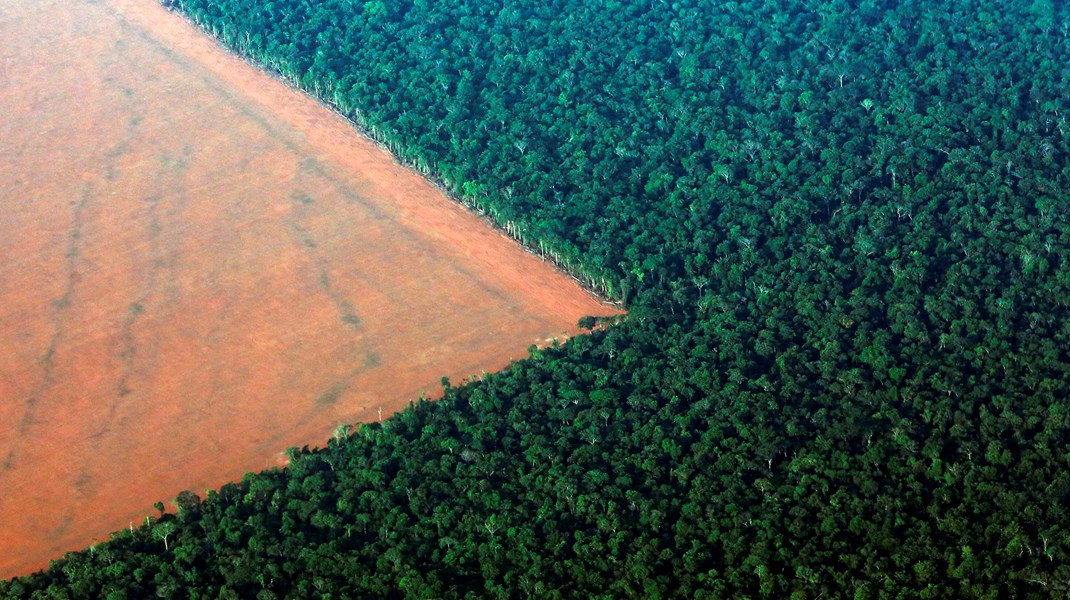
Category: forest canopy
[841,231]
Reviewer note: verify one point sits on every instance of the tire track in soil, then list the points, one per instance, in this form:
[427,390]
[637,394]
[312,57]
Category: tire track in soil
[167,179]
[308,246]
[329,396]
[163,260]
[58,317]
[309,167]
[304,240]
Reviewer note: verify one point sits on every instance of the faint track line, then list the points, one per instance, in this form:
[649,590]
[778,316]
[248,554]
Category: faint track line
[57,315]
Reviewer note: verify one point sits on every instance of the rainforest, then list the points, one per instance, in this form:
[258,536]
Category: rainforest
[840,229]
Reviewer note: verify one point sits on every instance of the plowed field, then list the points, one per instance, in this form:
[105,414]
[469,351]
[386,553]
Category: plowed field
[200,267]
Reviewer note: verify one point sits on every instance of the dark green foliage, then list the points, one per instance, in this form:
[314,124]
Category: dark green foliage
[842,232]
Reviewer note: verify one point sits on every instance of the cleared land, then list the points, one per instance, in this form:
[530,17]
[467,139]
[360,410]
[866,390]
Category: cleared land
[200,267]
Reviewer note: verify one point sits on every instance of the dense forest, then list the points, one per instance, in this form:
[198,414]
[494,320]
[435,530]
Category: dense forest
[841,230]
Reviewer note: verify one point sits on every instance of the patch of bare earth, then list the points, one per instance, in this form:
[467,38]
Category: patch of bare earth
[200,267]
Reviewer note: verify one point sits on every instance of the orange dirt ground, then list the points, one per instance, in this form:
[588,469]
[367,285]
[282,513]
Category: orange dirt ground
[200,267]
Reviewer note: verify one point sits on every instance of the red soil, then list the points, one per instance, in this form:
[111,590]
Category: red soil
[200,267]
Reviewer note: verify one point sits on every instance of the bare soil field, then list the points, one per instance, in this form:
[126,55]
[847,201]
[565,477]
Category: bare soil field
[200,267]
